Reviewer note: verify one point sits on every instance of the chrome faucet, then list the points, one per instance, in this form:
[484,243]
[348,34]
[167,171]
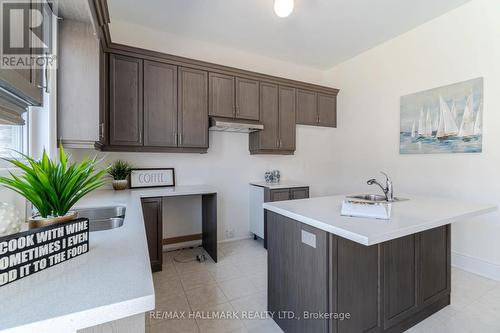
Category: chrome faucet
[388,189]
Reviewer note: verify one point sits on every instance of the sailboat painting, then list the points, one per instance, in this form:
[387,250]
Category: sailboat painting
[447,119]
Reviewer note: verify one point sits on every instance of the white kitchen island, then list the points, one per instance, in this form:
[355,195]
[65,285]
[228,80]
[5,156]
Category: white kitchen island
[386,275]
[110,283]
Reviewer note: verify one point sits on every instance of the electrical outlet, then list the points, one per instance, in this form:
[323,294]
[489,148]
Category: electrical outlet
[229,233]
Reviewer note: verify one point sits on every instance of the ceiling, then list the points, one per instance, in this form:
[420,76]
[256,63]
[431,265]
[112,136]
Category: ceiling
[319,33]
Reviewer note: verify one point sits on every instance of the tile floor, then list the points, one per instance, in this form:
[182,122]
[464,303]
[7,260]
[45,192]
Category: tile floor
[237,283]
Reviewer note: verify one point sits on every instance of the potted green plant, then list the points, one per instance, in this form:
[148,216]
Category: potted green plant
[53,187]
[120,170]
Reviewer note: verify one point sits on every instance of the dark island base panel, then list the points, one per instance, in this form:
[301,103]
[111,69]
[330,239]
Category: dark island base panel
[387,287]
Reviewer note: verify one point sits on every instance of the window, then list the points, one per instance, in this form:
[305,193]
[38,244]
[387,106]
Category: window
[14,138]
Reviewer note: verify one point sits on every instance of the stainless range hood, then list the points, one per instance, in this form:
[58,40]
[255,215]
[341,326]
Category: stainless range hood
[220,124]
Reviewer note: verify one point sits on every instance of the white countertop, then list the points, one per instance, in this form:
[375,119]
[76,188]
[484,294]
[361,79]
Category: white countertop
[408,217]
[112,281]
[281,184]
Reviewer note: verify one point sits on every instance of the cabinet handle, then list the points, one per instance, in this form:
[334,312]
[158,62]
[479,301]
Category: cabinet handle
[237,109]
[140,135]
[101,130]
[180,139]
[318,119]
[175,138]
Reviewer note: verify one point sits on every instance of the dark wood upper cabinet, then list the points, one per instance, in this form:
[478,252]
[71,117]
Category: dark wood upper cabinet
[286,140]
[125,100]
[327,110]
[316,109]
[193,108]
[160,104]
[221,95]
[150,103]
[267,139]
[277,114]
[247,99]
[153,223]
[232,97]
[307,107]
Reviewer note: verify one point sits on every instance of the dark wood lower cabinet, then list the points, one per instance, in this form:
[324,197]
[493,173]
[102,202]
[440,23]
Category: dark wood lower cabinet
[387,287]
[282,194]
[152,212]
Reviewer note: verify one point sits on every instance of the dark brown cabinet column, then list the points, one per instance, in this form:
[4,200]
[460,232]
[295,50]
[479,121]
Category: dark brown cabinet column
[160,104]
[193,108]
[268,138]
[125,100]
[152,212]
[286,140]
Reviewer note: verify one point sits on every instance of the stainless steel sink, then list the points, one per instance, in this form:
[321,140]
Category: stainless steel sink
[374,197]
[103,218]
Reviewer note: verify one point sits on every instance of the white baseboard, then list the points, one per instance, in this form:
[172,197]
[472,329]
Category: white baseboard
[475,265]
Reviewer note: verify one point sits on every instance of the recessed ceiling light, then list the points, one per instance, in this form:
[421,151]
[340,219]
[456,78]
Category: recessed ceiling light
[283,8]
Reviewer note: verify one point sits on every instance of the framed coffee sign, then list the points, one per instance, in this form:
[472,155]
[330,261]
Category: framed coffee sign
[155,177]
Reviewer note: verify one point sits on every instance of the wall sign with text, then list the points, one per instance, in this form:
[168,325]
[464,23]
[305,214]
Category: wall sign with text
[160,177]
[32,251]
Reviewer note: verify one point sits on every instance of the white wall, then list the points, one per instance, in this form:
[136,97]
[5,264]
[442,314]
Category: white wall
[460,45]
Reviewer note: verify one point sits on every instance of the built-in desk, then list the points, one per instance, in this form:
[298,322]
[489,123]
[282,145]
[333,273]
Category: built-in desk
[151,201]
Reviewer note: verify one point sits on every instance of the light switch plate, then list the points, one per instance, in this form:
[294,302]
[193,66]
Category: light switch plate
[308,238]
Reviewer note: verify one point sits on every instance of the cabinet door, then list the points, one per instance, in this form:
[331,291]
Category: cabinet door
[327,110]
[160,104]
[435,263]
[221,95]
[307,107]
[193,108]
[125,100]
[299,193]
[268,137]
[280,195]
[152,213]
[400,258]
[283,248]
[312,271]
[355,285]
[247,99]
[286,118]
